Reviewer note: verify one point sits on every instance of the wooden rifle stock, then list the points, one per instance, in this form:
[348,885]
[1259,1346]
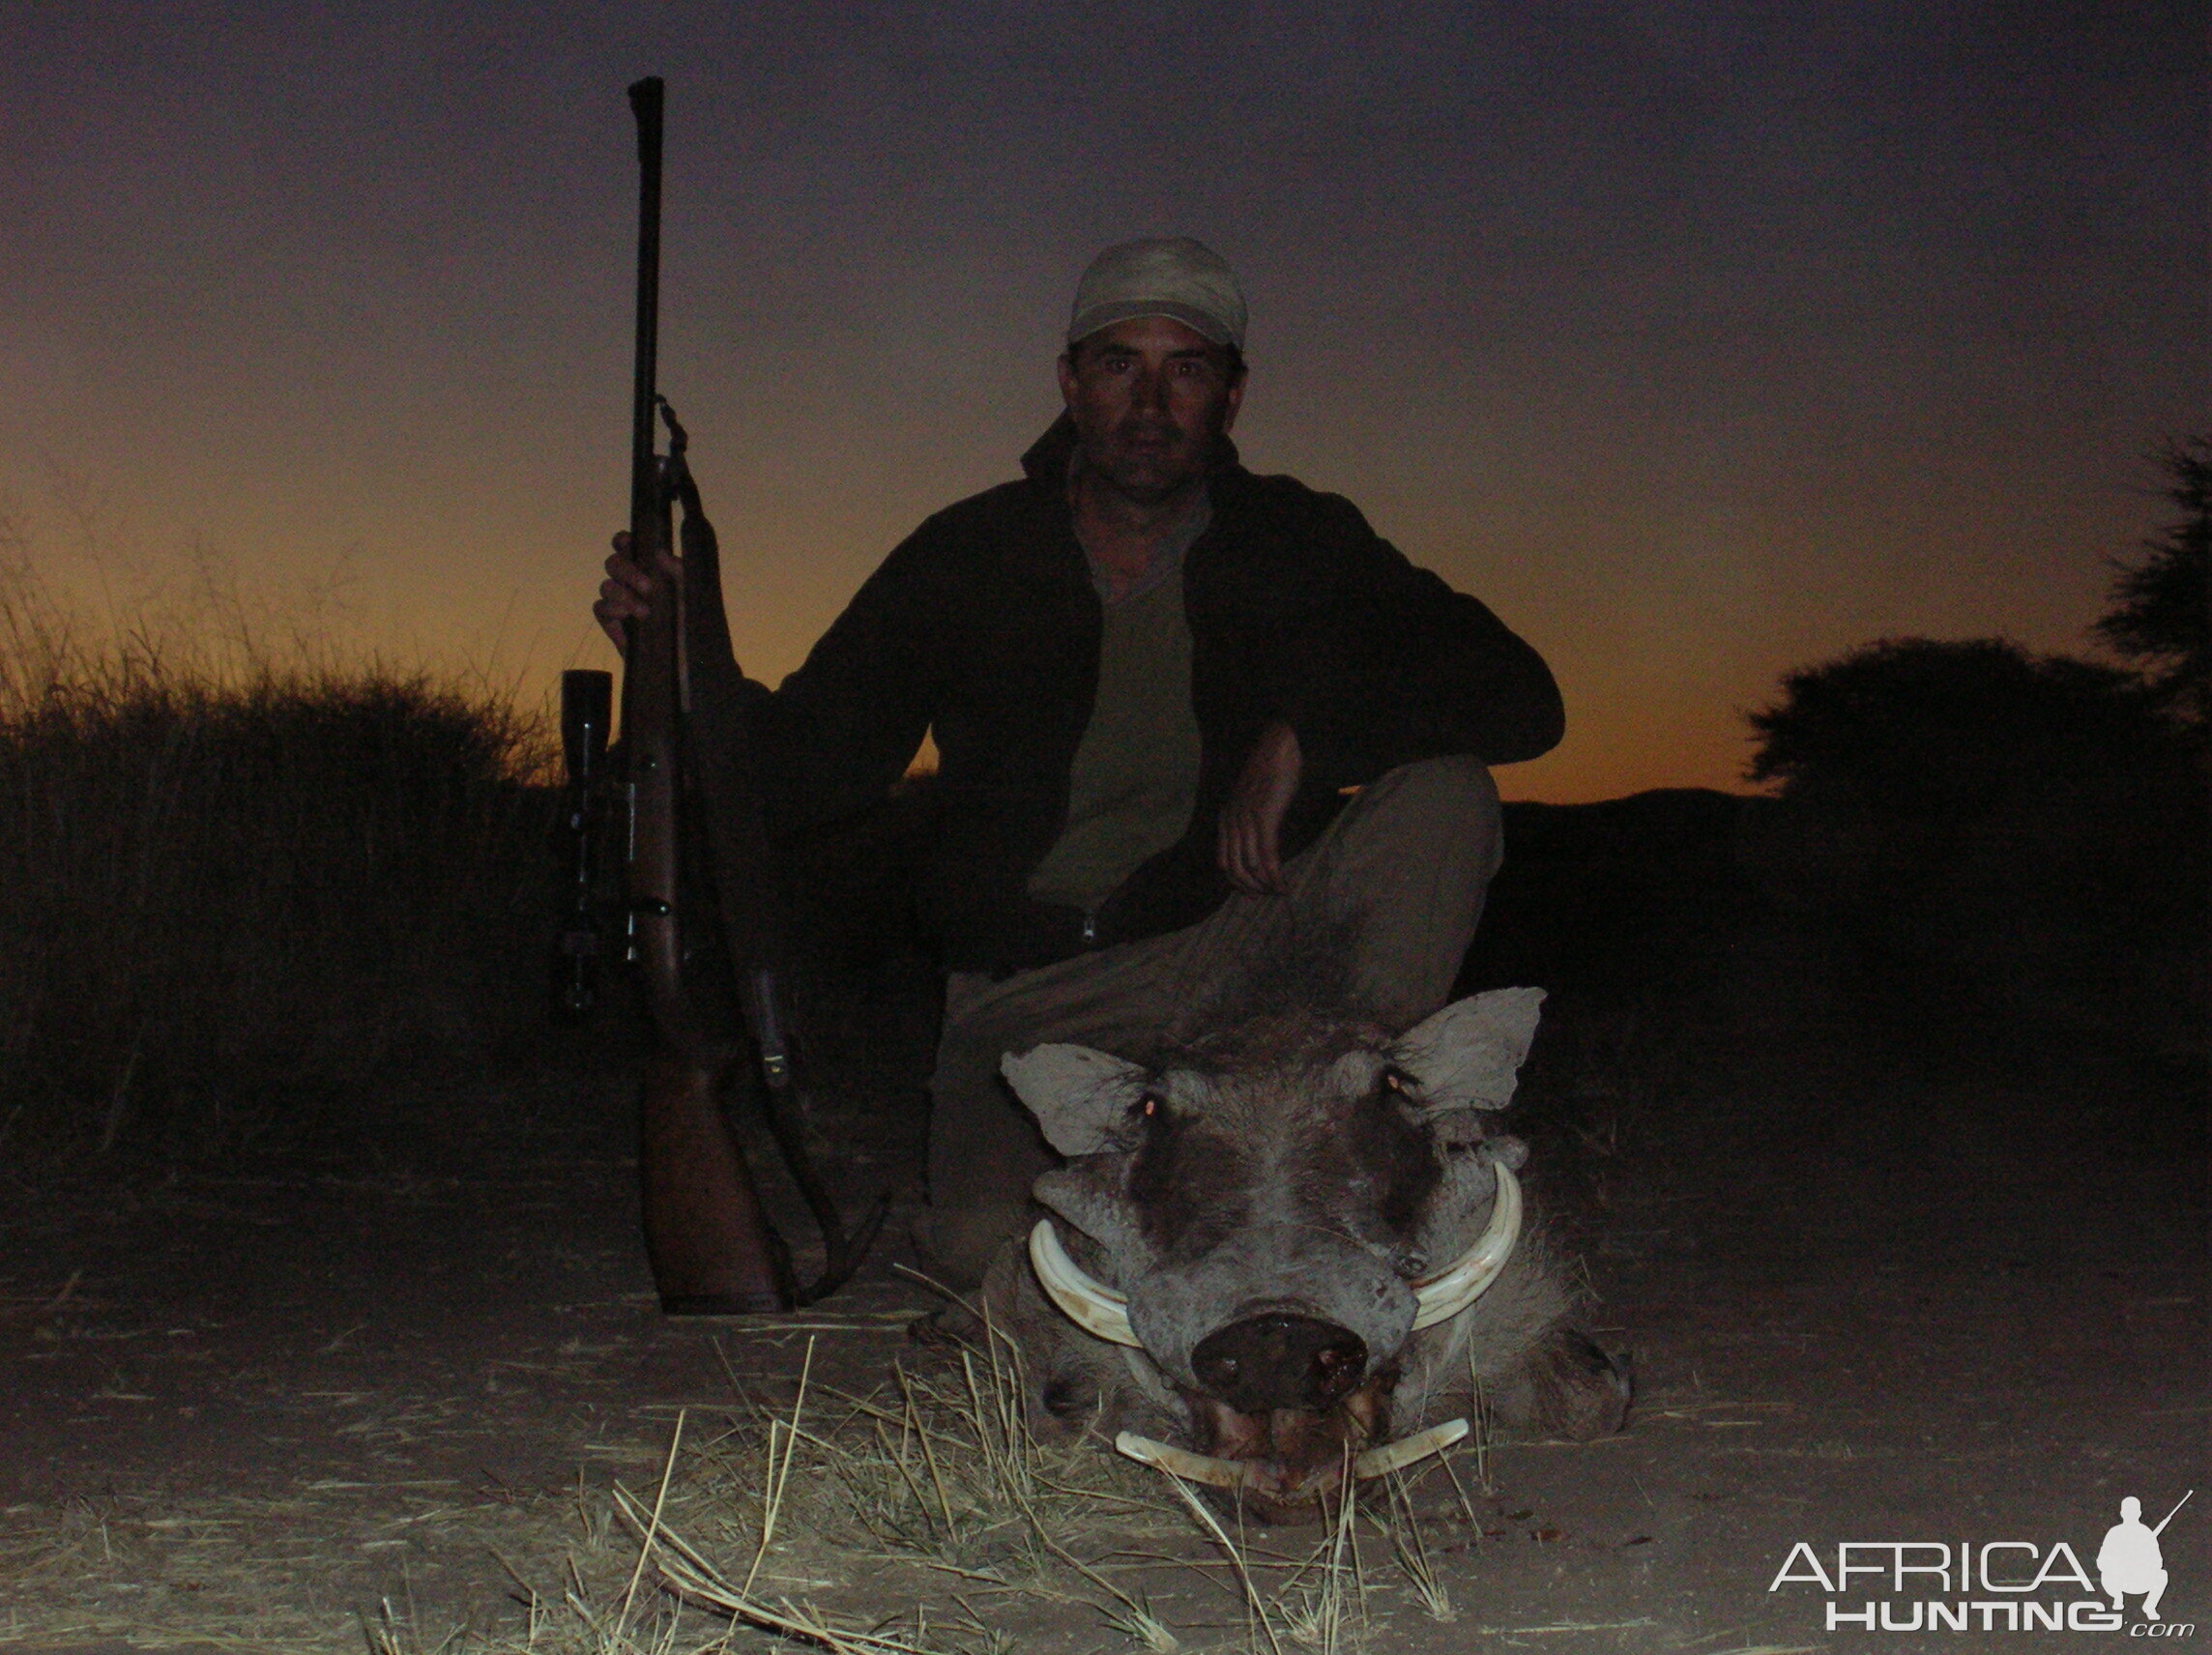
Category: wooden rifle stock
[747,885]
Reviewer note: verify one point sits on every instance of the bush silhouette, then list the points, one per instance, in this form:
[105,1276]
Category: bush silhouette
[2031,825]
[1915,728]
[223,901]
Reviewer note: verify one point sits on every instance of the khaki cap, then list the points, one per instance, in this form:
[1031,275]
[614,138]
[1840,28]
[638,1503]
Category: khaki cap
[1163,275]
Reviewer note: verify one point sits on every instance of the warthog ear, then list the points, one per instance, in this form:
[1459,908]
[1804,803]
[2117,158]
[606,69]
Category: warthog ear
[1078,1095]
[1466,1056]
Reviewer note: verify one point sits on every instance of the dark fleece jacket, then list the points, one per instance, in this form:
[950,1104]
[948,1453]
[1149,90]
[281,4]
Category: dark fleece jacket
[983,626]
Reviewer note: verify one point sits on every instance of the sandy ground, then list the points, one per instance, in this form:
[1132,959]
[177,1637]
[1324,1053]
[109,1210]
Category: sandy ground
[1878,1287]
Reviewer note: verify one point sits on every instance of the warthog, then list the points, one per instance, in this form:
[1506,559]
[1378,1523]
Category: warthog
[1294,1248]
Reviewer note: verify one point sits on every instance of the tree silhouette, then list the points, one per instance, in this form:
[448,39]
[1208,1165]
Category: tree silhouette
[1917,728]
[2161,613]
[1972,820]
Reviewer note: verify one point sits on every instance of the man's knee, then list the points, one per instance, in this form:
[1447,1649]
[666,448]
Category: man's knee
[1458,784]
[959,1243]
[1450,801]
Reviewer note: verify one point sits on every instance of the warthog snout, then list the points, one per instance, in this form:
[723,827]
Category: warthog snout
[1261,1363]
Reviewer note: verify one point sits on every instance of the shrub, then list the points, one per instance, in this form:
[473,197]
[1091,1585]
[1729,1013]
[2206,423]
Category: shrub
[226,897]
[2034,822]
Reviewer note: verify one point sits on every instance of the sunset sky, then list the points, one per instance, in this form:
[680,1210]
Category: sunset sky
[1701,340]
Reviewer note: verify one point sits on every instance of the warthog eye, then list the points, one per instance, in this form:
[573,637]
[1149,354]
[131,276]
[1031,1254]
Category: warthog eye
[1144,1107]
[1397,1080]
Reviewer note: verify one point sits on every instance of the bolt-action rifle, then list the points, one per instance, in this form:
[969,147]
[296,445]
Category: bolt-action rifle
[690,785]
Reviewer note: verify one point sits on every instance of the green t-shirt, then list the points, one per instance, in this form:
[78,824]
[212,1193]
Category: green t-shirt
[1135,779]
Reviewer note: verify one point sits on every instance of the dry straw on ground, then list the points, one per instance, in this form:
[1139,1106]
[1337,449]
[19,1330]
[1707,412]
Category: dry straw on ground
[919,1519]
[936,1482]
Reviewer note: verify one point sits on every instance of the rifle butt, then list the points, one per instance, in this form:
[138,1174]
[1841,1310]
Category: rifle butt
[712,1250]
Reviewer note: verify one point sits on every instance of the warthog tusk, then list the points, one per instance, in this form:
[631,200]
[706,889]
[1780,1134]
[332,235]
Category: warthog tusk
[1443,1296]
[1397,1456]
[1092,1306]
[1237,1473]
[1191,1467]
[1104,1314]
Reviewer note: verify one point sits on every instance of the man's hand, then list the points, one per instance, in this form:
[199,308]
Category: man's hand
[1249,846]
[628,591]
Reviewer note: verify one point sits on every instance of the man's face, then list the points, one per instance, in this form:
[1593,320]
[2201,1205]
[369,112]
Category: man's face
[1148,396]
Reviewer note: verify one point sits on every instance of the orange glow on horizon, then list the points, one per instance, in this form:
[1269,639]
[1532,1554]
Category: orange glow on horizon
[1699,348]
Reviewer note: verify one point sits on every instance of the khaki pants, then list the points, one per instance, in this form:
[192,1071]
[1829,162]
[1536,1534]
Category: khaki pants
[1397,882]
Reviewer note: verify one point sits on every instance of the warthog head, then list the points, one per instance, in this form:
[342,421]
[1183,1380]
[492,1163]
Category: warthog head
[1279,1224]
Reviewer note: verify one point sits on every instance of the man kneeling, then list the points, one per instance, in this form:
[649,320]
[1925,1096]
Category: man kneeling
[1154,678]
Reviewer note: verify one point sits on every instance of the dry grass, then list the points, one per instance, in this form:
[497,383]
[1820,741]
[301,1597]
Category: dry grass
[935,1475]
[936,1484]
[921,1517]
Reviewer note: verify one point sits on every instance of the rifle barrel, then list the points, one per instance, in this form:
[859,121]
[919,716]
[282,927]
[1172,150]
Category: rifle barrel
[2169,1516]
[650,690]
[645,101]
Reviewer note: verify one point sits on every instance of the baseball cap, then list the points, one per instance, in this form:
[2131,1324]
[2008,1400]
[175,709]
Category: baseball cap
[1162,276]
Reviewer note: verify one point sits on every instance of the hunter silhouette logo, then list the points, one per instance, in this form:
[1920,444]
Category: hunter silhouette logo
[2130,1559]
